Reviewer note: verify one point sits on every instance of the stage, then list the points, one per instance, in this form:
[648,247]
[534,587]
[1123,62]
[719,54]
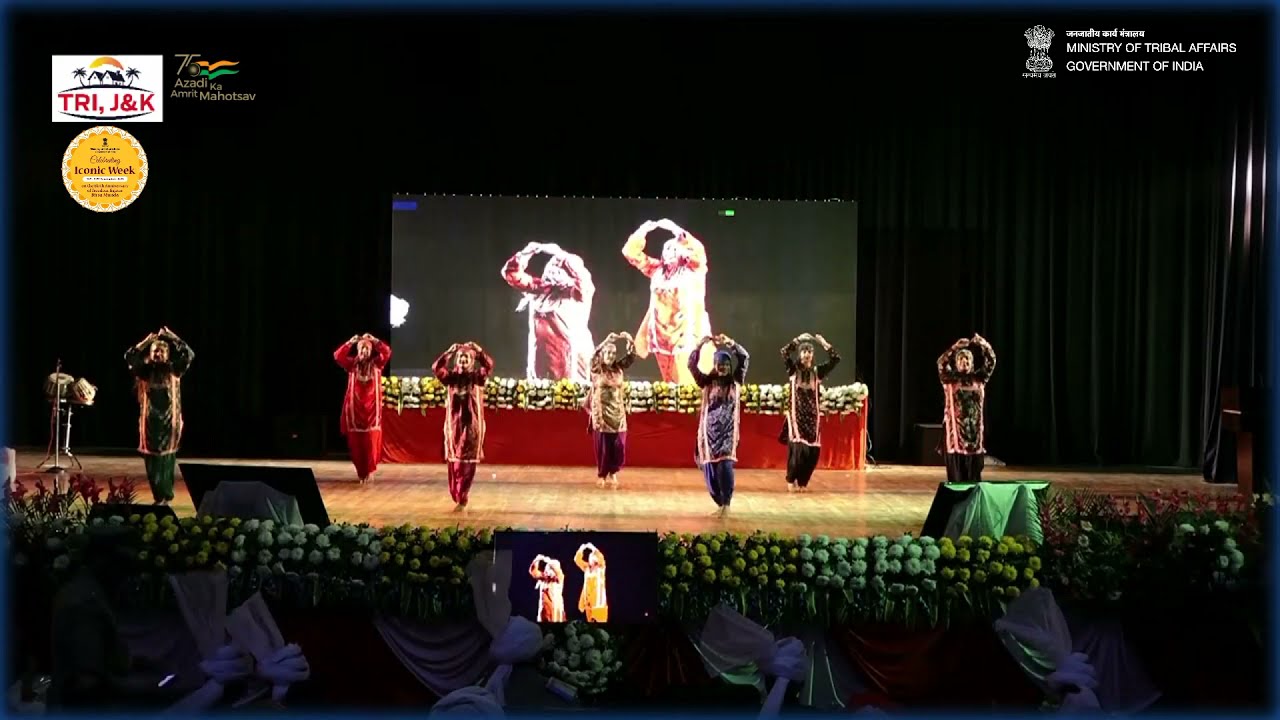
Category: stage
[882,500]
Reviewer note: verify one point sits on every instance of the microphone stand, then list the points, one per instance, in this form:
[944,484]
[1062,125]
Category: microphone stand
[57,424]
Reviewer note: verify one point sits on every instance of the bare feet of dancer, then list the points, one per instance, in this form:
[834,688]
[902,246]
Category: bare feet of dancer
[613,481]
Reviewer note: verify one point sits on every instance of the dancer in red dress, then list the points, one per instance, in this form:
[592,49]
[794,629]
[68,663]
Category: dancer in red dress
[463,369]
[363,357]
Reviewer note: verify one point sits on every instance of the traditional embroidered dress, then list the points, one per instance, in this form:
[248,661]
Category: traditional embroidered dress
[965,396]
[559,307]
[804,413]
[464,418]
[550,584]
[677,316]
[607,407]
[361,421]
[594,600]
[159,391]
[720,421]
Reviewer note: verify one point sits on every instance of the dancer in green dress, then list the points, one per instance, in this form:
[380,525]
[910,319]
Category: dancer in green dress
[157,365]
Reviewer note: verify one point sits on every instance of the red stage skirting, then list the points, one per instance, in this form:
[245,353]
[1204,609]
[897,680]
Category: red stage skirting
[654,439]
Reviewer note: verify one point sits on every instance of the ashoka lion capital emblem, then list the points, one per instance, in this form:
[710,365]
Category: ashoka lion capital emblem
[1038,39]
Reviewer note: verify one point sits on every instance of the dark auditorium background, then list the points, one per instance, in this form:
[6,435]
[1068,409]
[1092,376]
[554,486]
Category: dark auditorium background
[1103,231]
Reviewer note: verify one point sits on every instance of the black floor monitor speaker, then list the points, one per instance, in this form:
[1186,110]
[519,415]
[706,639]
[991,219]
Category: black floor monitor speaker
[124,510]
[300,482]
[928,444]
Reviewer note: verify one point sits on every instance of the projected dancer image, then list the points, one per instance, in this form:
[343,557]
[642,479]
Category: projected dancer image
[157,364]
[720,418]
[803,431]
[677,315]
[559,307]
[607,406]
[964,387]
[363,357]
[594,600]
[463,370]
[550,583]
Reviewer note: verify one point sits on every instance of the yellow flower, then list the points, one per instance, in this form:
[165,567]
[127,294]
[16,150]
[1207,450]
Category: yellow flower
[235,522]
[195,530]
[995,568]
[384,557]
[1011,592]
[1010,573]
[399,559]
[147,537]
[983,555]
[1033,562]
[206,520]
[173,549]
[997,591]
[1007,540]
[228,533]
[170,534]
[401,547]
[416,550]
[414,564]
[464,544]
[159,561]
[135,518]
[166,521]
[149,518]
[222,548]
[429,545]
[143,555]
[1028,573]
[964,541]
[946,543]
[739,564]
[979,576]
[963,574]
[1034,583]
[949,551]
[201,558]
[947,573]
[709,576]
[961,588]
[1002,549]
[962,555]
[1017,548]
[780,583]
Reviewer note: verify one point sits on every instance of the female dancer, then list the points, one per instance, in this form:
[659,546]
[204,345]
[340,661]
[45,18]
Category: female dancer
[157,364]
[594,600]
[607,405]
[677,314]
[363,357]
[964,385]
[559,306]
[550,583]
[720,417]
[463,370]
[804,415]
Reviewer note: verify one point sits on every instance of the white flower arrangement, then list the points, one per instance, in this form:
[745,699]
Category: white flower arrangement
[420,393]
[581,655]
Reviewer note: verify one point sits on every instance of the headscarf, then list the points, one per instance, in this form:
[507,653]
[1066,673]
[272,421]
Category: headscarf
[723,356]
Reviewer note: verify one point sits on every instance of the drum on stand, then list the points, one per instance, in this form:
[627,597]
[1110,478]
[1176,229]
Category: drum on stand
[82,393]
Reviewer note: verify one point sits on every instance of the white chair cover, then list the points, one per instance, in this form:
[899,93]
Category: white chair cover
[1035,633]
[202,600]
[730,640]
[253,628]
[515,639]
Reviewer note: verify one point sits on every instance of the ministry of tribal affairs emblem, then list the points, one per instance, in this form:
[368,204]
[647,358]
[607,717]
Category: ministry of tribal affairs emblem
[1039,39]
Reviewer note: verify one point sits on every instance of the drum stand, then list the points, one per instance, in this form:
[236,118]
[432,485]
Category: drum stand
[61,441]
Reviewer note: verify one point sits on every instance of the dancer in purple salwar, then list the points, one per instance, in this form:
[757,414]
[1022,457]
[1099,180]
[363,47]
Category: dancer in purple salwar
[720,419]
[607,406]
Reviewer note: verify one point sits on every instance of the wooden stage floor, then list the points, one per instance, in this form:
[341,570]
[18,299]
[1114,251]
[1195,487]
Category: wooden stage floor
[887,499]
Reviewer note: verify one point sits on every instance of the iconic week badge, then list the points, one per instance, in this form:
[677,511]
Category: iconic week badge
[104,169]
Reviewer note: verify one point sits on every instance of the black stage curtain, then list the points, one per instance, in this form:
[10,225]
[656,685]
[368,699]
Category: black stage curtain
[1079,222]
